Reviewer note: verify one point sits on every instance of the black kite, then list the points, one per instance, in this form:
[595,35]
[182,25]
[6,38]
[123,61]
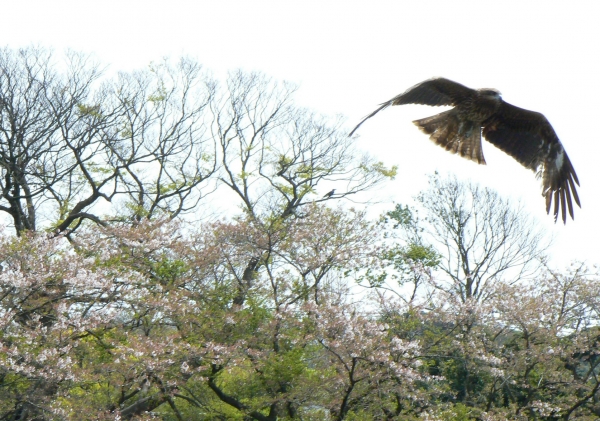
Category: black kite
[525,135]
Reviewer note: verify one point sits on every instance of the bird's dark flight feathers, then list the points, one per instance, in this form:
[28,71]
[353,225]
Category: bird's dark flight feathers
[525,135]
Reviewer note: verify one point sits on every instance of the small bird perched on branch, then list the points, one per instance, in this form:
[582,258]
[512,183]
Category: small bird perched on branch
[329,194]
[525,135]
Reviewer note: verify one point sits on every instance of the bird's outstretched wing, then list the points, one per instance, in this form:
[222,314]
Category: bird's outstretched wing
[435,92]
[528,137]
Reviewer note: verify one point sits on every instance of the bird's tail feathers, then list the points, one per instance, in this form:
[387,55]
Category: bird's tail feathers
[446,130]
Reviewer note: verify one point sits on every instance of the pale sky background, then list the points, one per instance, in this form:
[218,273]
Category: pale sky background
[349,56]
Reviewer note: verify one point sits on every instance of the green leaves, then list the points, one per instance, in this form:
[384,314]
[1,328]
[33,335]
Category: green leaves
[90,110]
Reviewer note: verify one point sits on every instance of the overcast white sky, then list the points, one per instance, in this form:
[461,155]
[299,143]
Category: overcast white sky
[349,56]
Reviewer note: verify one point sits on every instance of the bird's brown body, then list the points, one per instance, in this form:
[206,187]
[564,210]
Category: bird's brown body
[479,107]
[525,135]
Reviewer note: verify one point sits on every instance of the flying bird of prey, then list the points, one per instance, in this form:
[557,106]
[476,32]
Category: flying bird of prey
[525,135]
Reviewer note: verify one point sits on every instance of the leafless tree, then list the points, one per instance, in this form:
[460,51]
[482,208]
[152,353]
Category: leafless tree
[68,140]
[34,158]
[275,154]
[161,148]
[481,237]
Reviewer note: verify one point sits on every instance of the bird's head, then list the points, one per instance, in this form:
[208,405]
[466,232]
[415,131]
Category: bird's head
[490,93]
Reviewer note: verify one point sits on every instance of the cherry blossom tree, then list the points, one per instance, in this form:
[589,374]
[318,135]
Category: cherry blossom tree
[130,320]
